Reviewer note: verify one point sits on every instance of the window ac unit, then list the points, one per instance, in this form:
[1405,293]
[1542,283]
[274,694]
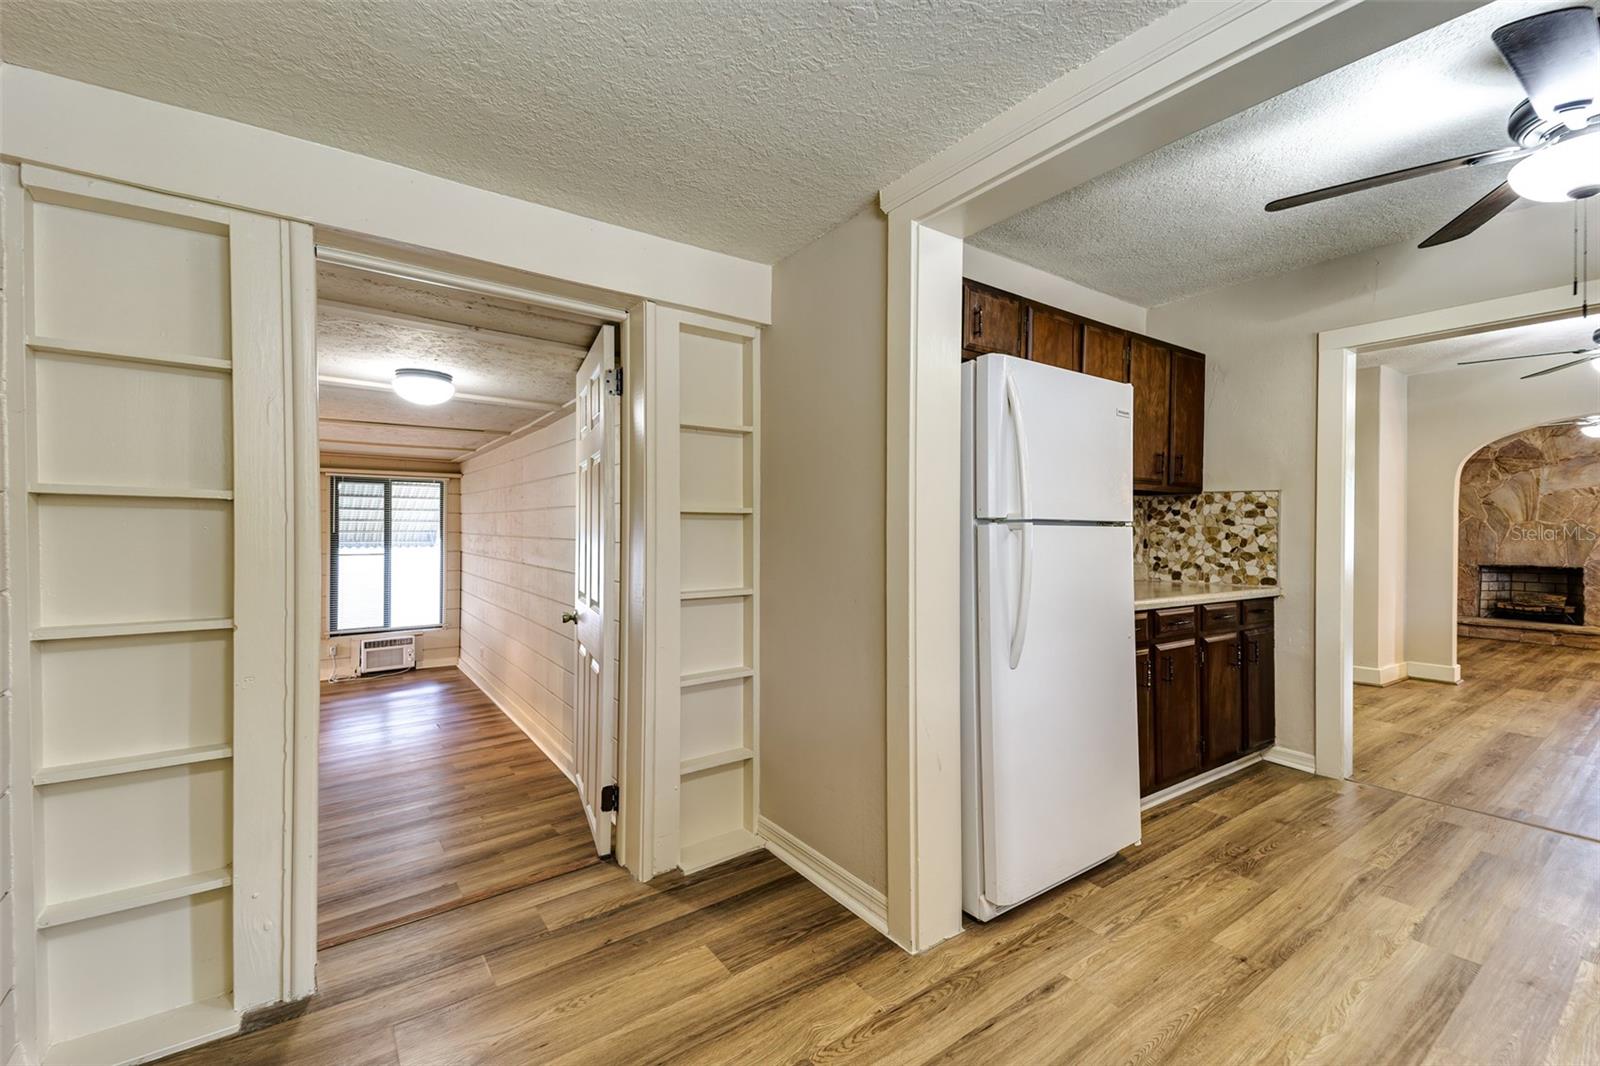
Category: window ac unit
[385,655]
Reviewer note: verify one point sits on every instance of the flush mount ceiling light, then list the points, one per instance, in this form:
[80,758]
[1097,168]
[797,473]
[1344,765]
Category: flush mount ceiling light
[1568,170]
[1590,427]
[424,387]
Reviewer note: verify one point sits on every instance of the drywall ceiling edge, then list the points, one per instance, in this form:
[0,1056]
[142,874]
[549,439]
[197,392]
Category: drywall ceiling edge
[74,126]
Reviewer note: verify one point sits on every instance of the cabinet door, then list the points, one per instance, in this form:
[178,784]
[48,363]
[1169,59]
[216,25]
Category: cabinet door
[1105,352]
[1224,708]
[1260,694]
[1145,682]
[992,322]
[1055,338]
[1177,710]
[1188,421]
[1149,371]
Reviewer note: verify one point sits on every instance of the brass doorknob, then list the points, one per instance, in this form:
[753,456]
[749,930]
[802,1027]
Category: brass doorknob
[569,616]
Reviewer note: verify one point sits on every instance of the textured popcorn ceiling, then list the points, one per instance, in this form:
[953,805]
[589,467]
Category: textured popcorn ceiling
[1570,334]
[1189,217]
[747,126]
[368,326]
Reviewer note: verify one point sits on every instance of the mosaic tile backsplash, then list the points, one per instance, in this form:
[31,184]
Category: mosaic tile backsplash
[1226,537]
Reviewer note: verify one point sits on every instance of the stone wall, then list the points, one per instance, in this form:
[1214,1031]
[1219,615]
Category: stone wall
[1229,537]
[1531,499]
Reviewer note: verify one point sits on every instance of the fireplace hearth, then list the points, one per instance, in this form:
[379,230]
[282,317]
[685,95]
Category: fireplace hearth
[1552,594]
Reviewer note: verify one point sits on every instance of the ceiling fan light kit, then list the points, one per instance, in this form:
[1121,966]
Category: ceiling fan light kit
[1555,131]
[1566,170]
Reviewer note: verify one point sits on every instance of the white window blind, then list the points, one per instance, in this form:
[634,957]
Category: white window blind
[386,555]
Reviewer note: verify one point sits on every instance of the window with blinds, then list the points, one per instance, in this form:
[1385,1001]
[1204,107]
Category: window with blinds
[386,555]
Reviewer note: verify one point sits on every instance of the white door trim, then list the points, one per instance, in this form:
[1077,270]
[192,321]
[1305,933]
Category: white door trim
[1198,64]
[1334,630]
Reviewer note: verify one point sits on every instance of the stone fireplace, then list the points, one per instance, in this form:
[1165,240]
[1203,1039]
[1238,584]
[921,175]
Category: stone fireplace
[1551,594]
[1529,549]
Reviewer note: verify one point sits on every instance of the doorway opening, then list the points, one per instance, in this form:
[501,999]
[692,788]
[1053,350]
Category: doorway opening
[470,636]
[1476,565]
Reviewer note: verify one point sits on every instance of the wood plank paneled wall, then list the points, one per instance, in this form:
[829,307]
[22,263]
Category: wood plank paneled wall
[435,647]
[518,515]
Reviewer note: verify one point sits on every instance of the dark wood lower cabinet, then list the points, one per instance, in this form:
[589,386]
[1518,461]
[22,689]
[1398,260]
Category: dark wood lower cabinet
[1147,721]
[1223,737]
[1204,700]
[1260,674]
[1177,722]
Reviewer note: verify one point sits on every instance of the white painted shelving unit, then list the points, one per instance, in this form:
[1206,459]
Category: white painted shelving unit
[718,453]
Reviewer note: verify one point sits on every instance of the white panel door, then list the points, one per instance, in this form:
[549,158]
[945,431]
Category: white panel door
[594,603]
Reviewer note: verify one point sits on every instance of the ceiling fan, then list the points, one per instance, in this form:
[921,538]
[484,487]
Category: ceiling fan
[1556,56]
[1586,355]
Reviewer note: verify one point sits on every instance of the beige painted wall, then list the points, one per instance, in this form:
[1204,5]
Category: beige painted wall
[518,514]
[435,647]
[822,548]
[1380,525]
[1024,280]
[1261,340]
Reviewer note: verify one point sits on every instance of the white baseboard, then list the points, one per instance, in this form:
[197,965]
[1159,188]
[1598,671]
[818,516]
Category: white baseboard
[1303,761]
[1199,781]
[552,744]
[859,898]
[1450,675]
[1379,675]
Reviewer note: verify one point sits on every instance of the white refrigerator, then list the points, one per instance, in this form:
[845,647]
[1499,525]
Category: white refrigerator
[1049,730]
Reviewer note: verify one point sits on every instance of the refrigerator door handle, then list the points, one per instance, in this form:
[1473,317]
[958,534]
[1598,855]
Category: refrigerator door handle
[1019,631]
[1014,402]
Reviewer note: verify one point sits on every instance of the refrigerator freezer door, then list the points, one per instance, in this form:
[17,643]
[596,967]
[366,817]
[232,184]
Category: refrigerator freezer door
[1058,760]
[1050,443]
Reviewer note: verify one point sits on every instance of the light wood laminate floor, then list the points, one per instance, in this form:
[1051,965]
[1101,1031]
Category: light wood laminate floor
[1275,917]
[1518,738]
[431,798]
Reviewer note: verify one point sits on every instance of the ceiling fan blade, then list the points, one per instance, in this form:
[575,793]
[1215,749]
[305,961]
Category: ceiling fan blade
[1563,366]
[1497,155]
[1491,204]
[1535,355]
[1556,56]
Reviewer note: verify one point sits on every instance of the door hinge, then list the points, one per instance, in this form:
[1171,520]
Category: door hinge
[608,798]
[614,381]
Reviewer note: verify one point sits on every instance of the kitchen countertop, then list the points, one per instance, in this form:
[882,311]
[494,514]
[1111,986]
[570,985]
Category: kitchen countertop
[1149,594]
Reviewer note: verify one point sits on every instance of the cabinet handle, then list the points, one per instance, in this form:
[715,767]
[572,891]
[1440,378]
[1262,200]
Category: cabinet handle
[1180,467]
[1255,651]
[1161,463]
[1149,674]
[977,320]
[1238,655]
[1169,673]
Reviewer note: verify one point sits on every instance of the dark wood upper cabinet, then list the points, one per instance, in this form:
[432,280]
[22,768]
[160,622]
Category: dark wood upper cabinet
[1260,687]
[1224,706]
[1188,421]
[1177,670]
[1055,338]
[1169,383]
[993,321]
[1105,352]
[1145,672]
[1149,372]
